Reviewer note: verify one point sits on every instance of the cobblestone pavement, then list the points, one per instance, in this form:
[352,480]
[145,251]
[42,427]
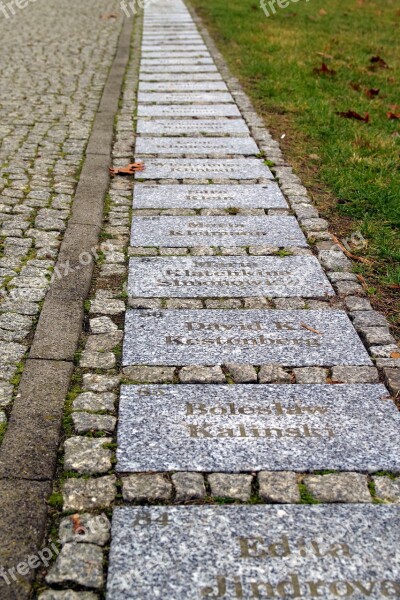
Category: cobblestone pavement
[55,57]
[231,429]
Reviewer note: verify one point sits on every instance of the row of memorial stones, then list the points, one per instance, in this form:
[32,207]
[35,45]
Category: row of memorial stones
[164,428]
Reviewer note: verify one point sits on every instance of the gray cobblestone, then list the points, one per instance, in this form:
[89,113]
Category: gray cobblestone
[311,375]
[355,374]
[81,564]
[85,422]
[279,486]
[145,487]
[339,487]
[95,402]
[89,494]
[198,374]
[87,455]
[387,489]
[227,485]
[143,374]
[273,374]
[189,486]
[242,373]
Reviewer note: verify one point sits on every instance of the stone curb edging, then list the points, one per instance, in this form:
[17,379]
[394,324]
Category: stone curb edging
[29,449]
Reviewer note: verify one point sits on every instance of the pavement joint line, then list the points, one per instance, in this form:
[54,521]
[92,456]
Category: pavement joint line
[27,488]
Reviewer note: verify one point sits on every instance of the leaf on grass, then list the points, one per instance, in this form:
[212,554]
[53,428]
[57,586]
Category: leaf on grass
[324,70]
[349,254]
[324,55]
[323,12]
[128,170]
[393,116]
[395,355]
[394,286]
[371,93]
[351,114]
[379,62]
[355,86]
[310,328]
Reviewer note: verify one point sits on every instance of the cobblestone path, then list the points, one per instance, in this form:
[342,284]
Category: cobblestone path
[232,425]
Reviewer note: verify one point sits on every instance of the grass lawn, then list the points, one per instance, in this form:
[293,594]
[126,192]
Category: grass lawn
[352,168]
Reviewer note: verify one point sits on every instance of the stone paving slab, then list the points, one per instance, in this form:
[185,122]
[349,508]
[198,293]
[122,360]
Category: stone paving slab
[227,277]
[237,428]
[188,168]
[208,196]
[173,49]
[182,86]
[177,61]
[179,54]
[177,232]
[179,69]
[174,77]
[192,126]
[184,97]
[196,145]
[193,552]
[297,338]
[186,110]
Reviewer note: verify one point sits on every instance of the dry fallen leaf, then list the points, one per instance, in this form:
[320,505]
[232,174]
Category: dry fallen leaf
[351,114]
[395,355]
[310,328]
[379,62]
[109,16]
[393,116]
[361,279]
[394,286]
[371,93]
[128,170]
[323,12]
[332,381]
[324,70]
[355,86]
[327,56]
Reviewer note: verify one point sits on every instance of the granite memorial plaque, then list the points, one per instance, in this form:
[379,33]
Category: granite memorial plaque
[192,126]
[179,69]
[177,232]
[196,145]
[199,168]
[183,86]
[198,60]
[185,77]
[250,552]
[292,338]
[209,196]
[184,97]
[187,110]
[227,277]
[236,428]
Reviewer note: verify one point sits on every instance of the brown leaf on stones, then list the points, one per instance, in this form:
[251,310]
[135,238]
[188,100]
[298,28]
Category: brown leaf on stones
[351,114]
[395,355]
[77,526]
[310,328]
[128,170]
[379,62]
[349,254]
[332,381]
[109,16]
[324,70]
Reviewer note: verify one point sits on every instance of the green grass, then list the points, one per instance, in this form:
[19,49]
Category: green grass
[353,173]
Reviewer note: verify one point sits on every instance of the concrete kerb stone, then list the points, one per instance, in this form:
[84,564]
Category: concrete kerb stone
[29,448]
